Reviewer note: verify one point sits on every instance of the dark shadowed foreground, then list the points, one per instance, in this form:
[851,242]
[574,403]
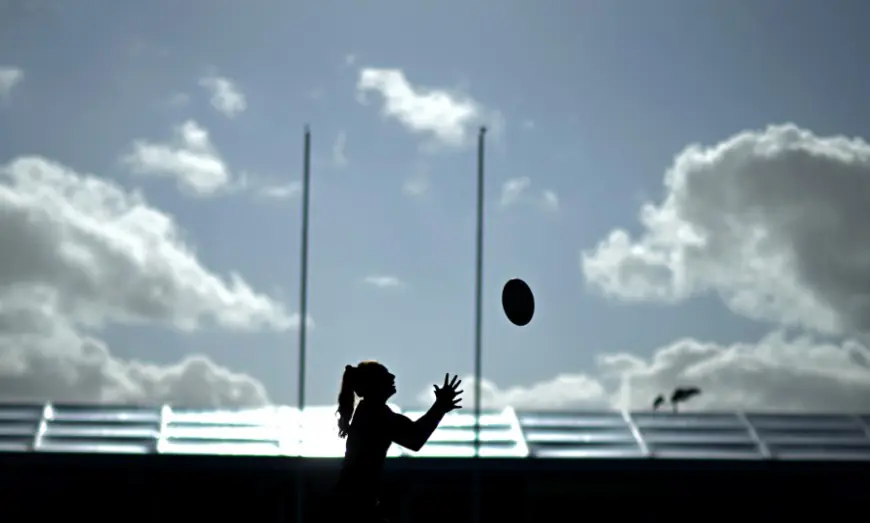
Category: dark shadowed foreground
[165,489]
[126,464]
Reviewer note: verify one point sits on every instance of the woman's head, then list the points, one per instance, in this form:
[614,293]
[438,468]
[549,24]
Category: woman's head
[369,380]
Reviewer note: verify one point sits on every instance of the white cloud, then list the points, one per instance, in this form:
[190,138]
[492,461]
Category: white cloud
[776,374]
[100,254]
[226,97]
[513,189]
[773,221]
[281,192]
[9,78]
[550,200]
[518,190]
[339,159]
[447,117]
[383,281]
[564,392]
[45,358]
[80,253]
[267,187]
[191,160]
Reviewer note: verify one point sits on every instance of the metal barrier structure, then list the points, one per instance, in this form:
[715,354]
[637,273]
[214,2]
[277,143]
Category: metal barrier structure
[729,436]
[506,433]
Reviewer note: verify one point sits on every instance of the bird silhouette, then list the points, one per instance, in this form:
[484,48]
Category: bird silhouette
[680,395]
[683,394]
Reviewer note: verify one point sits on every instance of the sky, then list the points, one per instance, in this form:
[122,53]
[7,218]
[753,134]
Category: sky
[682,184]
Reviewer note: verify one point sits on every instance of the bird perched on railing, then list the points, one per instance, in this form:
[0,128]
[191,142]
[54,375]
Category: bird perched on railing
[680,395]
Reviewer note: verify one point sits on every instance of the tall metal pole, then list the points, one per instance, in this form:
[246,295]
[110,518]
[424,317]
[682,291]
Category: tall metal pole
[478,294]
[303,312]
[478,325]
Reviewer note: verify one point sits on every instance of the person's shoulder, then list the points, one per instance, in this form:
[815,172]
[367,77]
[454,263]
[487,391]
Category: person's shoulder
[380,411]
[374,409]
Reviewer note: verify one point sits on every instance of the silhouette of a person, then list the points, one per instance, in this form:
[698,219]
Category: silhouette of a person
[370,428]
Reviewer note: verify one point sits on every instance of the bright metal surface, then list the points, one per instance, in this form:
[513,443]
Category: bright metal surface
[501,436]
[285,431]
[582,435]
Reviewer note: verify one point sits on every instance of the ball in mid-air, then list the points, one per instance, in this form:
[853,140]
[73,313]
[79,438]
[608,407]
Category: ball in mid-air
[518,302]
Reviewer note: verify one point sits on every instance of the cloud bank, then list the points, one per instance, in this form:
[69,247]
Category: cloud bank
[777,374]
[772,221]
[81,253]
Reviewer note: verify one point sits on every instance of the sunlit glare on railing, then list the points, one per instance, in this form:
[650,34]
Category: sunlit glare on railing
[287,432]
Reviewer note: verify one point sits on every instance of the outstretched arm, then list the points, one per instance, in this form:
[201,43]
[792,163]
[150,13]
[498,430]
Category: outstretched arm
[414,434]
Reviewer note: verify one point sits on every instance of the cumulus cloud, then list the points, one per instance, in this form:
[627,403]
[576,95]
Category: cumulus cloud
[190,159]
[519,190]
[771,220]
[448,118]
[778,373]
[9,78]
[43,357]
[225,95]
[106,255]
[80,253]
[193,161]
[564,392]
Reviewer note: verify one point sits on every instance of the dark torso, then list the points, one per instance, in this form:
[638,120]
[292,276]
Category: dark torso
[368,441]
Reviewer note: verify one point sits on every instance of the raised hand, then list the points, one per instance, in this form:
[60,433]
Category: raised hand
[447,397]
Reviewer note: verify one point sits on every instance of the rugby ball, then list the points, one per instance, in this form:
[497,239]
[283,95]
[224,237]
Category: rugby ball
[518,302]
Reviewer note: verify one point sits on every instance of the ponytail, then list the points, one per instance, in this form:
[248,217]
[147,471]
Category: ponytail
[346,400]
